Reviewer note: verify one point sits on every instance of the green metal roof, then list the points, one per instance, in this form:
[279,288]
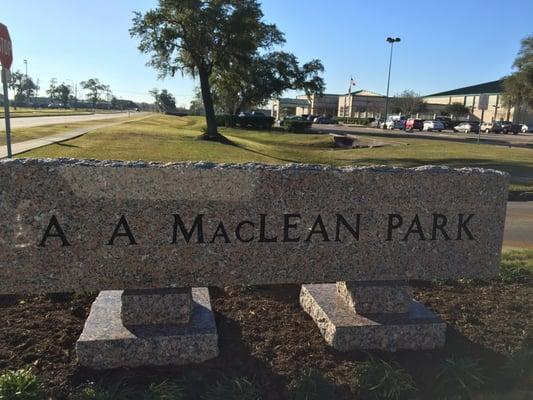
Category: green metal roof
[483,88]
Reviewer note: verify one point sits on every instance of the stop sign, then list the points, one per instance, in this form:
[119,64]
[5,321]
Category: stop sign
[6,48]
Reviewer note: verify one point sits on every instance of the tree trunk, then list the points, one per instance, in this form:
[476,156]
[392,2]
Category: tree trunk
[212,132]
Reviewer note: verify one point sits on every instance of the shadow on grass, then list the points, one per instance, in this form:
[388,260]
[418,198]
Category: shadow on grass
[242,147]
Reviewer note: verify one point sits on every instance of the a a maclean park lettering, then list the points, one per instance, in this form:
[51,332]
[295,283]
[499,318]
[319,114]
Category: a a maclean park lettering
[71,225]
[288,228]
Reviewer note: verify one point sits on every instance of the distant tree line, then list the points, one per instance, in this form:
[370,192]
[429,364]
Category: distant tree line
[62,95]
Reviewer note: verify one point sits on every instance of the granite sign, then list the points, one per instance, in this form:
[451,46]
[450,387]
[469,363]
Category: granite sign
[133,229]
[69,225]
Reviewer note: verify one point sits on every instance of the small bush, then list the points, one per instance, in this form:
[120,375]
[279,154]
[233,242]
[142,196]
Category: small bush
[517,266]
[297,126]
[233,389]
[519,367]
[20,385]
[354,121]
[312,385]
[459,378]
[382,380]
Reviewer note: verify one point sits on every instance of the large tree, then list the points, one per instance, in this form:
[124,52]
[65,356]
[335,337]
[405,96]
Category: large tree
[408,102]
[263,77]
[518,87]
[164,100]
[51,91]
[23,86]
[95,89]
[63,93]
[457,110]
[198,37]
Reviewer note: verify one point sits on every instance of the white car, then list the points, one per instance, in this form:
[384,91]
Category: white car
[433,126]
[525,128]
[396,123]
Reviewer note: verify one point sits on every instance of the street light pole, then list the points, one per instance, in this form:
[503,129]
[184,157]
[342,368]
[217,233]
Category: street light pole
[391,41]
[26,64]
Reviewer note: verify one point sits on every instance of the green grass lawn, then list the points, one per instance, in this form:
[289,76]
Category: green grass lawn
[167,138]
[517,265]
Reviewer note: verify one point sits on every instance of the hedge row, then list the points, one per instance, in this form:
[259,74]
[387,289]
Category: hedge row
[297,126]
[250,121]
[355,121]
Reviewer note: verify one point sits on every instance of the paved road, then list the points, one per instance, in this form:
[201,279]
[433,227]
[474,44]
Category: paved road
[519,225]
[22,147]
[521,140]
[28,122]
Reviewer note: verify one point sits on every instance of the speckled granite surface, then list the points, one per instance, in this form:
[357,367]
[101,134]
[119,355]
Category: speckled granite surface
[376,297]
[70,225]
[156,306]
[346,330]
[105,343]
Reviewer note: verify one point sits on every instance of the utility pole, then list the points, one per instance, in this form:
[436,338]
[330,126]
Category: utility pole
[26,64]
[391,41]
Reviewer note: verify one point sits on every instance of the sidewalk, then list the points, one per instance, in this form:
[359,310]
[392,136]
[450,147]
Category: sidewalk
[27,145]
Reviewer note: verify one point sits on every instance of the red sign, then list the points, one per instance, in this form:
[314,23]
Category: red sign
[6,48]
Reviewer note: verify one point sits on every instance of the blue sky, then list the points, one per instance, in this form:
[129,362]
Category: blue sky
[445,44]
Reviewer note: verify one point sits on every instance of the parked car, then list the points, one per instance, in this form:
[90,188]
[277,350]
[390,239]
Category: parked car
[412,123]
[467,127]
[447,121]
[394,124]
[376,123]
[509,127]
[434,125]
[324,120]
[489,127]
[252,114]
[526,128]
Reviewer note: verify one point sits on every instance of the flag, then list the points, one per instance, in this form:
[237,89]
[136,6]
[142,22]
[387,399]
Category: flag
[352,83]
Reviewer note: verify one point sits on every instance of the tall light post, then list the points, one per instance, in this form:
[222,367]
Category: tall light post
[391,41]
[26,65]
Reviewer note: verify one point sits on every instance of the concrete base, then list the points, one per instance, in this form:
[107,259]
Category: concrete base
[105,343]
[345,330]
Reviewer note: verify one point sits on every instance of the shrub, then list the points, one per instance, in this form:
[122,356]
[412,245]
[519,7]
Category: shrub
[21,385]
[459,378]
[520,366]
[226,120]
[233,389]
[382,380]
[255,122]
[312,385]
[355,121]
[517,266]
[297,126]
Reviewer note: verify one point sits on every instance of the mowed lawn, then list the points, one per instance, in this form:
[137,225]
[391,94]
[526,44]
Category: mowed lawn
[168,138]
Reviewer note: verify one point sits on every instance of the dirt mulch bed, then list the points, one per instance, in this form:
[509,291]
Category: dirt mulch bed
[265,336]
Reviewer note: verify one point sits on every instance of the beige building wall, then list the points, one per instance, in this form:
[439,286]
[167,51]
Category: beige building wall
[361,104]
[495,112]
[327,104]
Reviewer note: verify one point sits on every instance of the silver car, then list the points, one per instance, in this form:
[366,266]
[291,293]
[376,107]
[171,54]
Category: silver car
[433,126]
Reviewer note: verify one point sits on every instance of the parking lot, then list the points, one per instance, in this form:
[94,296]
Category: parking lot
[520,140]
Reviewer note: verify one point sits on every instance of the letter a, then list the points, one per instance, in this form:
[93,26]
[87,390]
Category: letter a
[59,233]
[127,232]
